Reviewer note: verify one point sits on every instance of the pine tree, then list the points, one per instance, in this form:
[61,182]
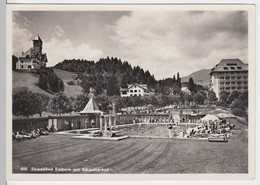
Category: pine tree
[191,85]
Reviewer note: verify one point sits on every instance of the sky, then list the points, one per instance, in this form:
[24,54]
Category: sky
[163,42]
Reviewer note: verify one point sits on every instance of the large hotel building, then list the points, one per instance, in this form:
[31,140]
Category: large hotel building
[229,75]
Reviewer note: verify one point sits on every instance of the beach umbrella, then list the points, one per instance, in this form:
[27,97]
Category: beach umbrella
[210,117]
[225,115]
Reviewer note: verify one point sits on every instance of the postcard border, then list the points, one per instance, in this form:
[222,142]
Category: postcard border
[130,177]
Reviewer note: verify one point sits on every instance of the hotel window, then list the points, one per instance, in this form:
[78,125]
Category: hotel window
[245,82]
[135,91]
[233,82]
[233,77]
[233,88]
[227,88]
[239,67]
[21,66]
[139,90]
[245,77]
[238,83]
[238,77]
[227,83]
[21,61]
[232,68]
[245,87]
[238,88]
[227,78]
[225,68]
[29,66]
[221,77]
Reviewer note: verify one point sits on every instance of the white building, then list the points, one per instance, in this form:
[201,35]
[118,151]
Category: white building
[186,90]
[33,58]
[229,75]
[135,90]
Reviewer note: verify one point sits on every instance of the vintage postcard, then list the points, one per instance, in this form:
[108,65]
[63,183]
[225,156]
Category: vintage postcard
[130,92]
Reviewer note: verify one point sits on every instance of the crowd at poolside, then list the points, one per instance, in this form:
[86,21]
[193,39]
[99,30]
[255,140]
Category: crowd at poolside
[31,132]
[203,129]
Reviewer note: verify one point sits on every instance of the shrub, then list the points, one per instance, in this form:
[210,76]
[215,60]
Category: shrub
[238,112]
[71,83]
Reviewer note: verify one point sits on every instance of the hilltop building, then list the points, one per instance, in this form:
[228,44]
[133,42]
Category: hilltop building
[33,58]
[229,75]
[136,90]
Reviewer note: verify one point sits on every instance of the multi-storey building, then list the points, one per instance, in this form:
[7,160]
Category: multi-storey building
[135,90]
[33,58]
[229,75]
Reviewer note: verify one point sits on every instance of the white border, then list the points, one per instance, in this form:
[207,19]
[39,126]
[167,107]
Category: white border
[151,177]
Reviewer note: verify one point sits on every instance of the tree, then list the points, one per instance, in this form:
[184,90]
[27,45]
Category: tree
[187,98]
[103,102]
[14,61]
[237,104]
[178,81]
[112,86]
[191,85]
[199,97]
[223,96]
[60,104]
[212,96]
[238,108]
[27,103]
[234,95]
[80,102]
[48,80]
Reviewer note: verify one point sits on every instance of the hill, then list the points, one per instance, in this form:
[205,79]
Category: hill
[27,80]
[30,80]
[66,76]
[200,77]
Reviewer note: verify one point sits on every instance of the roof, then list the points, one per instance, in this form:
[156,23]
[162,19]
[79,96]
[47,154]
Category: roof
[143,86]
[27,53]
[227,65]
[37,37]
[91,108]
[123,89]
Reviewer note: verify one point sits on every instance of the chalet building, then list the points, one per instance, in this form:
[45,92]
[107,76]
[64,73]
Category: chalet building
[186,90]
[32,59]
[135,90]
[229,75]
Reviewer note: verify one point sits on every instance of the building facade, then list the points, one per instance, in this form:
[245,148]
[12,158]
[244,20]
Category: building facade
[229,75]
[32,59]
[135,90]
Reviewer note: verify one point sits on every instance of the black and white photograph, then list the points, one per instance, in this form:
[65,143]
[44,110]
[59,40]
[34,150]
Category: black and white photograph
[103,90]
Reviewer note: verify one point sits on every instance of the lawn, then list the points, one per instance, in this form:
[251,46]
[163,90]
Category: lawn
[170,156]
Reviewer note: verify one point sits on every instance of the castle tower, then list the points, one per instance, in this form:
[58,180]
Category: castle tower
[37,45]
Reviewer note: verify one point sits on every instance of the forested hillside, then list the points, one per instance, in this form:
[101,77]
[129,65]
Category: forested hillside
[107,75]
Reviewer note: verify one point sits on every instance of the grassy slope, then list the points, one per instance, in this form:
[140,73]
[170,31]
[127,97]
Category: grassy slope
[66,76]
[29,81]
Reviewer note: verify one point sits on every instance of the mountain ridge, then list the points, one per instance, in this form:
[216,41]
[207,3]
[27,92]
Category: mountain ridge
[200,77]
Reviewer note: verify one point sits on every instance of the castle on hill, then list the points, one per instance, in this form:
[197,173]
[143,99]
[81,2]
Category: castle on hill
[33,59]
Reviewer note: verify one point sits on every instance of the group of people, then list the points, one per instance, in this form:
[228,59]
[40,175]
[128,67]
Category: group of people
[31,132]
[203,130]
